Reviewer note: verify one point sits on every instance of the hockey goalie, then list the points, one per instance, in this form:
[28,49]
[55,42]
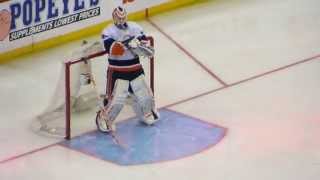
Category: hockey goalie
[125,42]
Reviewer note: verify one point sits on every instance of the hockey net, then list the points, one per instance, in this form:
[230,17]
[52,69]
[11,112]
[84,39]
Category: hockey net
[72,100]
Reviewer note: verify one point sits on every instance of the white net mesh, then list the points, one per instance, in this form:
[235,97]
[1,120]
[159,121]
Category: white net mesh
[83,97]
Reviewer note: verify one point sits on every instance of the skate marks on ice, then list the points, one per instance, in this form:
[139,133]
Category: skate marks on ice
[175,136]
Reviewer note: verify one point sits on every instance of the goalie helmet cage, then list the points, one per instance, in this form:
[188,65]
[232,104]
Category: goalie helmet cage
[68,67]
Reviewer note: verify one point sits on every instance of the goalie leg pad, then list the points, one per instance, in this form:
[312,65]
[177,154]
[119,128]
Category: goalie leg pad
[145,100]
[105,117]
[133,102]
[119,96]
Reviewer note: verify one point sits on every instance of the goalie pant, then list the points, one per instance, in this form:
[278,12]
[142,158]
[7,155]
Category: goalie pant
[125,81]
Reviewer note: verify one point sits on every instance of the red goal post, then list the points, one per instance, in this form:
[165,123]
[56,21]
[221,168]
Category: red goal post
[68,66]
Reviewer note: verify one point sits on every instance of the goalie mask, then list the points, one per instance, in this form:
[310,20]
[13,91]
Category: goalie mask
[119,16]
